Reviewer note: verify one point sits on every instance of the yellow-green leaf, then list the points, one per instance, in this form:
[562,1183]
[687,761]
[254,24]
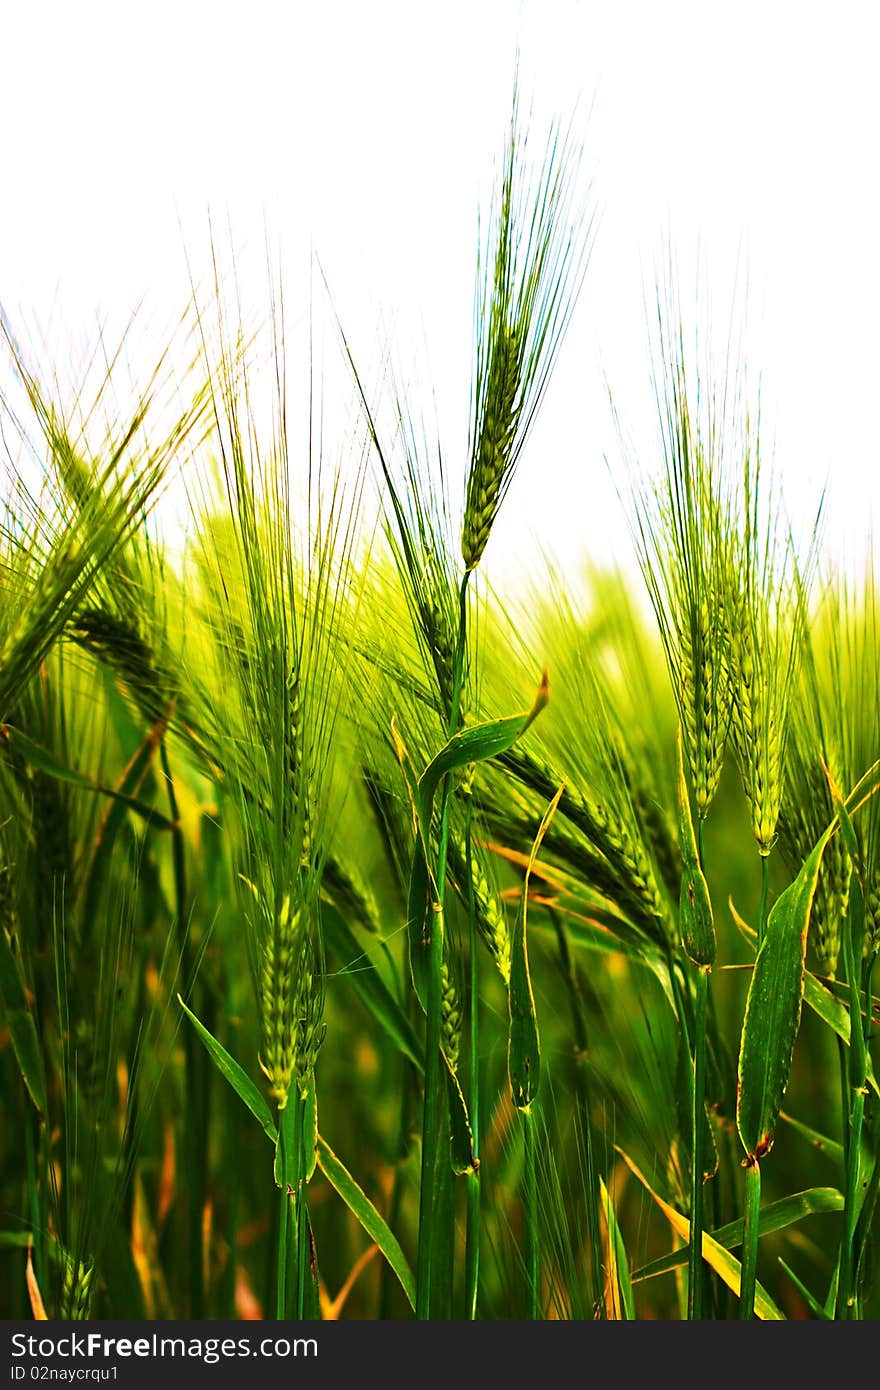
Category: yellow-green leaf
[776,1216]
[725,1265]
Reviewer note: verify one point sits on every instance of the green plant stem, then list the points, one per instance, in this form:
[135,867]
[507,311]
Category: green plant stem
[432,1109]
[851,940]
[430,1121]
[302,1219]
[720,1295]
[472,1236]
[753,1167]
[687,1039]
[869,1206]
[865,1221]
[408,1088]
[292,1269]
[195,1125]
[530,1183]
[762,907]
[847,1292]
[579,1027]
[843,1058]
[270,1271]
[751,1215]
[282,1248]
[702,1006]
[698,1119]
[443,1254]
[718,1291]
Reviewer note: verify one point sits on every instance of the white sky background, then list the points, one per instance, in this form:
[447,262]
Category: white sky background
[743,135]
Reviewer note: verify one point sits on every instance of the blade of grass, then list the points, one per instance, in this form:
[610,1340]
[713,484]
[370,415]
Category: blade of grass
[361,1207]
[44,761]
[618,1275]
[235,1075]
[697,928]
[776,1216]
[720,1260]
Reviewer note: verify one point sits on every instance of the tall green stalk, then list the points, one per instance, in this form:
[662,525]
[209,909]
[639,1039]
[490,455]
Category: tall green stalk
[579,1026]
[868,1207]
[283,1246]
[300,1207]
[195,1119]
[697,928]
[762,906]
[698,1119]
[472,1235]
[292,1268]
[847,1295]
[752,1214]
[530,1185]
[752,1210]
[432,1104]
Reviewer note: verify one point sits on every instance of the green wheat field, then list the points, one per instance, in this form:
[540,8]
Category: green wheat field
[376,944]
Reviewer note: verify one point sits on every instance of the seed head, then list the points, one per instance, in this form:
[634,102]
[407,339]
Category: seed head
[491,920]
[450,1017]
[494,451]
[291,1004]
[76,1289]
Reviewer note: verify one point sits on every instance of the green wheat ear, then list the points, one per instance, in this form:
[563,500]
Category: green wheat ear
[274,566]
[767,608]
[76,1289]
[450,1017]
[486,477]
[529,274]
[841,690]
[683,533]
[491,920]
[813,752]
[55,546]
